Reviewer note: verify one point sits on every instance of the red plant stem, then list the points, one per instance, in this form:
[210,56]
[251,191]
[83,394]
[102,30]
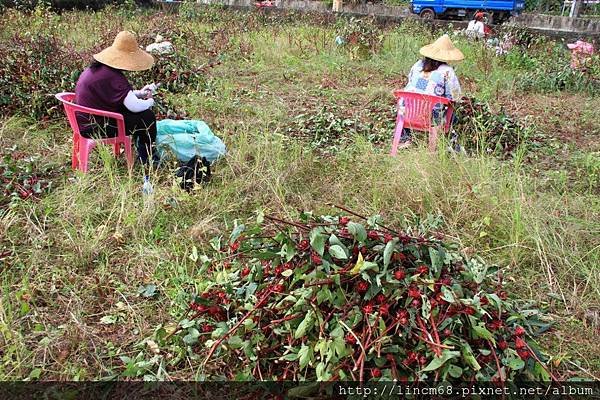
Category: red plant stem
[435,331]
[435,347]
[303,227]
[497,364]
[362,217]
[234,328]
[288,318]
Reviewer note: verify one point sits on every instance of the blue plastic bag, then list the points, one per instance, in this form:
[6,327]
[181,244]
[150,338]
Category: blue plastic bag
[188,138]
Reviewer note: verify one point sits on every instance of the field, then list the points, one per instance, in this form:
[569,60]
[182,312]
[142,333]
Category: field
[90,270]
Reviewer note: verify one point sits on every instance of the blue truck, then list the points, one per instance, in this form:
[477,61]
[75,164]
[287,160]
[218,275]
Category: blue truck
[496,10]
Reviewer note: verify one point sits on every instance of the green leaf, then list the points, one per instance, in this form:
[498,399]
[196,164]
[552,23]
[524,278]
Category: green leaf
[448,295]
[455,371]
[109,319]
[148,291]
[467,354]
[192,336]
[387,253]
[287,273]
[437,362]
[437,260]
[317,240]
[306,324]
[338,252]
[515,363]
[237,231]
[358,231]
[483,333]
[290,357]
[305,356]
[35,373]
[235,342]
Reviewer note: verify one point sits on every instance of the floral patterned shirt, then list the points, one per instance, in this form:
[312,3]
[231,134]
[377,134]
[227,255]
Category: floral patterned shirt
[441,82]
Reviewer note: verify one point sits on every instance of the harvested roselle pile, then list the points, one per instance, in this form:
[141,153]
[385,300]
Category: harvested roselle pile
[330,298]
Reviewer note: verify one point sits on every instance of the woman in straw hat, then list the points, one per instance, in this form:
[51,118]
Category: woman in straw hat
[103,86]
[434,76]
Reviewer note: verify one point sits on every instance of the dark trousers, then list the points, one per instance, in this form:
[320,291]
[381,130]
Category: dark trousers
[142,126]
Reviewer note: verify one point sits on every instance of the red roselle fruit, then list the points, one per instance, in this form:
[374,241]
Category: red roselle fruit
[234,246]
[400,274]
[469,311]
[502,345]
[350,339]
[344,221]
[207,328]
[362,287]
[422,269]
[384,309]
[416,303]
[314,257]
[414,292]
[304,245]
[447,332]
[373,235]
[279,288]
[278,270]
[380,298]
[368,308]
[524,354]
[422,360]
[387,238]
[520,343]
[519,331]
[399,257]
[245,272]
[376,373]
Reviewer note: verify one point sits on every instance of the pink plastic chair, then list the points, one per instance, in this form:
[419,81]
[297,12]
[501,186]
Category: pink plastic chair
[418,109]
[81,145]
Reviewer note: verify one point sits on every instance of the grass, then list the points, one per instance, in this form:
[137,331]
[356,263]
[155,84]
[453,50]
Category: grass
[70,306]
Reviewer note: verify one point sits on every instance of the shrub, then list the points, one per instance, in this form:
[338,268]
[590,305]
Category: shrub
[360,36]
[67,4]
[330,299]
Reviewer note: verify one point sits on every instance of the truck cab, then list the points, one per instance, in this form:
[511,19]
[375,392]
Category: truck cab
[496,10]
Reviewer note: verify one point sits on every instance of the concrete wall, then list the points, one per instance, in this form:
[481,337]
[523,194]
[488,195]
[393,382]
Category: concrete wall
[557,23]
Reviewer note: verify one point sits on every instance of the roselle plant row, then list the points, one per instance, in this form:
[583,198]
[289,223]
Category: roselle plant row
[329,298]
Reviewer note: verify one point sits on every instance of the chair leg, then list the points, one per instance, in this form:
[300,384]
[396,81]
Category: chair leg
[128,153]
[75,154]
[433,136]
[85,146]
[397,135]
[117,149]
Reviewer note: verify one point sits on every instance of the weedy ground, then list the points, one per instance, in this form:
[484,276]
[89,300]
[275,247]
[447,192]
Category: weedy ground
[90,269]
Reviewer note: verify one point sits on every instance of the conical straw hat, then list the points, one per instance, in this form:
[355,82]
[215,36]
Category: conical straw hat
[442,50]
[125,54]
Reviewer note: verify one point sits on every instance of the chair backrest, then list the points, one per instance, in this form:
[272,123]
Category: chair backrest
[418,108]
[68,98]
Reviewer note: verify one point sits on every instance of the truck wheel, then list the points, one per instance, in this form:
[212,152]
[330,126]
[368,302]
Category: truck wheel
[427,13]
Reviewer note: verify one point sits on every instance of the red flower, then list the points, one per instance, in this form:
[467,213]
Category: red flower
[422,269]
[400,274]
[376,373]
[380,298]
[373,235]
[314,257]
[519,331]
[344,221]
[362,287]
[368,308]
[414,292]
[502,345]
[303,245]
[387,238]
